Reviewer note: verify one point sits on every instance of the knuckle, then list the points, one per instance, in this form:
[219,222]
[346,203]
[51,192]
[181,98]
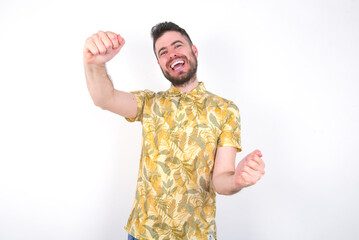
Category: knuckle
[95,38]
[88,42]
[253,164]
[114,39]
[111,34]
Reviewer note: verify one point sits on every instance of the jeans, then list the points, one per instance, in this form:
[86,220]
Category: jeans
[131,238]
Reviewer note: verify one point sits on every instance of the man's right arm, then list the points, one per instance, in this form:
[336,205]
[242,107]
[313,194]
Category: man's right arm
[99,49]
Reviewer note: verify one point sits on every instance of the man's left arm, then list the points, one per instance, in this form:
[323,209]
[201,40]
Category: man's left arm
[227,178]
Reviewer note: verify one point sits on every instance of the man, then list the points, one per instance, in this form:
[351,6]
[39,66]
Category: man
[190,139]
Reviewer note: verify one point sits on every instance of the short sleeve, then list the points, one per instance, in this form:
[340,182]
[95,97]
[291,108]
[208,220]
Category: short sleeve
[231,130]
[142,98]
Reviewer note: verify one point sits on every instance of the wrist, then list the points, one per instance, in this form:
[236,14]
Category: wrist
[237,182]
[94,66]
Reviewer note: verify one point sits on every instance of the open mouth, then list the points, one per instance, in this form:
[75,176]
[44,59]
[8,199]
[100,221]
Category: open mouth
[177,65]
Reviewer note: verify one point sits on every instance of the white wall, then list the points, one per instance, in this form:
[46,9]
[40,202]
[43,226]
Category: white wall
[68,169]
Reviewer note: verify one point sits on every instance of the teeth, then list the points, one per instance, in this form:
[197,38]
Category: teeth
[177,62]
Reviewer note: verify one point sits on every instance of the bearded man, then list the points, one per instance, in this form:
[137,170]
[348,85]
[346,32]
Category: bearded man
[190,139]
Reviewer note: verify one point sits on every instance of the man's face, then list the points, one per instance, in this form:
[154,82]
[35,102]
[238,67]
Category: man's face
[176,57]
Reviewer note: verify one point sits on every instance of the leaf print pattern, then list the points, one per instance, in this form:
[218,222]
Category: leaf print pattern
[181,132]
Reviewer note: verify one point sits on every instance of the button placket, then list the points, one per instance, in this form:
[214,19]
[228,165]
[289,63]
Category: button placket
[180,114]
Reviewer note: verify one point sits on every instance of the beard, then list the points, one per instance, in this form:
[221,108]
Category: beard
[185,77]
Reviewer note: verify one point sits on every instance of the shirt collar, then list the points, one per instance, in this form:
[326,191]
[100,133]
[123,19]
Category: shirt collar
[199,90]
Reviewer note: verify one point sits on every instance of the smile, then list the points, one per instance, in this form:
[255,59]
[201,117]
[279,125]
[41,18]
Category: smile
[177,65]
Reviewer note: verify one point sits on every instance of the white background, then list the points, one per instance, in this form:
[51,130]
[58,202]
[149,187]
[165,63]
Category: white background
[68,169]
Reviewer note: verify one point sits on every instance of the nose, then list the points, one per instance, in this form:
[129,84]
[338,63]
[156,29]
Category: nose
[173,55]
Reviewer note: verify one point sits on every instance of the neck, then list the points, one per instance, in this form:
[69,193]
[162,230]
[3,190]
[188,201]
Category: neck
[188,86]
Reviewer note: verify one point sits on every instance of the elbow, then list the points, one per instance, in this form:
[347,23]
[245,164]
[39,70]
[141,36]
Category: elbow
[218,189]
[224,184]
[101,99]
[226,192]
[101,102]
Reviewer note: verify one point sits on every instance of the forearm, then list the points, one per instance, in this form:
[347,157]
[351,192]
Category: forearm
[99,84]
[227,179]
[224,183]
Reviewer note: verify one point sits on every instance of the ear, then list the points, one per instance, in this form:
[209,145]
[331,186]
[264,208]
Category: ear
[194,49]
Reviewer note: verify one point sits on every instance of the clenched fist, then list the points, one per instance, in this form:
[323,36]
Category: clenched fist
[249,170]
[102,47]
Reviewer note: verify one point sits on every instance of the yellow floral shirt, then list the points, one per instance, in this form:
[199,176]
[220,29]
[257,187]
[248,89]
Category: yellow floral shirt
[175,198]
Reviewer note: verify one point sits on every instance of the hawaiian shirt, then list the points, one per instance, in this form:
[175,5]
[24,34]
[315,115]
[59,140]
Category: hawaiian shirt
[175,198]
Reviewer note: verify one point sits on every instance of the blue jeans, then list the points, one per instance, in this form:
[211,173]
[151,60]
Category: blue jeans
[131,238]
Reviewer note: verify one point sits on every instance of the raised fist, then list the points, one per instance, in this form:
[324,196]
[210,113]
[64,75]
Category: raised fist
[102,47]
